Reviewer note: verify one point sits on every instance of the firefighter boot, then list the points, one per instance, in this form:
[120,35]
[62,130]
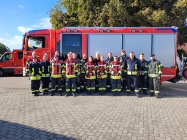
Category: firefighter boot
[73,94]
[137,94]
[128,93]
[67,94]
[145,91]
[52,93]
[92,91]
[157,95]
[60,93]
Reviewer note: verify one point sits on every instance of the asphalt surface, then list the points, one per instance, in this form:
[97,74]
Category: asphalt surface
[96,117]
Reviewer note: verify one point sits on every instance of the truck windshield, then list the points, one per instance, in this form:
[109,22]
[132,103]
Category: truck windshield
[6,57]
[37,42]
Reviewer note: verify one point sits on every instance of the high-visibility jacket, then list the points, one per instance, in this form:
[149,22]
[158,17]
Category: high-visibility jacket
[133,66]
[28,62]
[154,68]
[90,70]
[82,64]
[143,67]
[56,69]
[71,68]
[35,71]
[102,69]
[123,61]
[45,65]
[116,69]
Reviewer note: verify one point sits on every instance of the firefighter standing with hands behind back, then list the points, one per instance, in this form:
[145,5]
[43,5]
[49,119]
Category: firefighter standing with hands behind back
[56,74]
[116,73]
[133,67]
[35,76]
[71,71]
[90,75]
[102,75]
[154,74]
[45,65]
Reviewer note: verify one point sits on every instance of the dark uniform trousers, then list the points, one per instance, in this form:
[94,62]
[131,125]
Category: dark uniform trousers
[55,81]
[124,81]
[108,83]
[82,82]
[134,82]
[78,83]
[116,85]
[143,83]
[153,85]
[45,83]
[35,85]
[102,84]
[71,84]
[90,85]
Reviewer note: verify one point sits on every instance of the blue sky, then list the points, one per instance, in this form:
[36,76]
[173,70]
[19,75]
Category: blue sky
[19,16]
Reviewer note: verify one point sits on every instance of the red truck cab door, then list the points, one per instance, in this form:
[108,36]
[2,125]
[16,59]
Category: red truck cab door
[6,64]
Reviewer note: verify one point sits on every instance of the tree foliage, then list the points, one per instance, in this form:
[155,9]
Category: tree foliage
[3,49]
[129,13]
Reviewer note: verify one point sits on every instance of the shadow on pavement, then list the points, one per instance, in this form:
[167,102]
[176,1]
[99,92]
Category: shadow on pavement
[15,131]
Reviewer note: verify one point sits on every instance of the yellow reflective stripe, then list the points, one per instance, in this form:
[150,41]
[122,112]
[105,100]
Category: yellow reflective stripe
[35,78]
[115,77]
[151,90]
[45,75]
[136,90]
[156,91]
[70,76]
[153,75]
[42,68]
[67,89]
[56,75]
[91,77]
[135,67]
[32,71]
[132,72]
[128,90]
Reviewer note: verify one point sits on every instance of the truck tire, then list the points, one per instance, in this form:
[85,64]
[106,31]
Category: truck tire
[1,72]
[184,73]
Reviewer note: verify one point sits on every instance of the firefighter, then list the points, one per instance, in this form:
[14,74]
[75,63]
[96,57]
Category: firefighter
[45,65]
[96,60]
[57,53]
[56,75]
[123,59]
[143,74]
[35,76]
[154,75]
[116,73]
[90,75]
[108,61]
[82,75]
[102,71]
[71,71]
[133,67]
[29,60]
[78,74]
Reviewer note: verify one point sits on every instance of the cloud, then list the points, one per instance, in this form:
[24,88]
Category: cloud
[13,43]
[21,7]
[44,23]
[24,29]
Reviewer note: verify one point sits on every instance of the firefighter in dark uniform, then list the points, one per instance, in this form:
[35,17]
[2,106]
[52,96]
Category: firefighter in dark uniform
[133,67]
[102,70]
[154,75]
[90,75]
[82,75]
[123,59]
[35,76]
[108,61]
[29,60]
[45,65]
[71,71]
[78,74]
[143,74]
[56,75]
[116,73]
[96,60]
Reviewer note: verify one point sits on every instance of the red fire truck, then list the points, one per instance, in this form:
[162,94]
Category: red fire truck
[162,41]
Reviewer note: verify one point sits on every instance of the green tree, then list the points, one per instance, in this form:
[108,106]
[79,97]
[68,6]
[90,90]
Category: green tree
[3,48]
[130,13]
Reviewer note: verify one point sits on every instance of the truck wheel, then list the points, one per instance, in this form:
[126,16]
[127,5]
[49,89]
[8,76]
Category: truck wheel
[185,73]
[1,72]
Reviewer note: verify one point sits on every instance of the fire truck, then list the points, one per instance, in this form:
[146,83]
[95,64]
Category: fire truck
[11,62]
[162,41]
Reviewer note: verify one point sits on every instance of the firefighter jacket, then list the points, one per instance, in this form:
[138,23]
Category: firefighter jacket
[28,62]
[143,67]
[109,60]
[123,61]
[71,68]
[90,70]
[82,64]
[116,69]
[45,68]
[102,69]
[133,66]
[35,71]
[79,63]
[56,69]
[96,61]
[154,68]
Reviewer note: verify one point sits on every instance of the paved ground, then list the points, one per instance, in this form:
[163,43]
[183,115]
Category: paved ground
[23,116]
